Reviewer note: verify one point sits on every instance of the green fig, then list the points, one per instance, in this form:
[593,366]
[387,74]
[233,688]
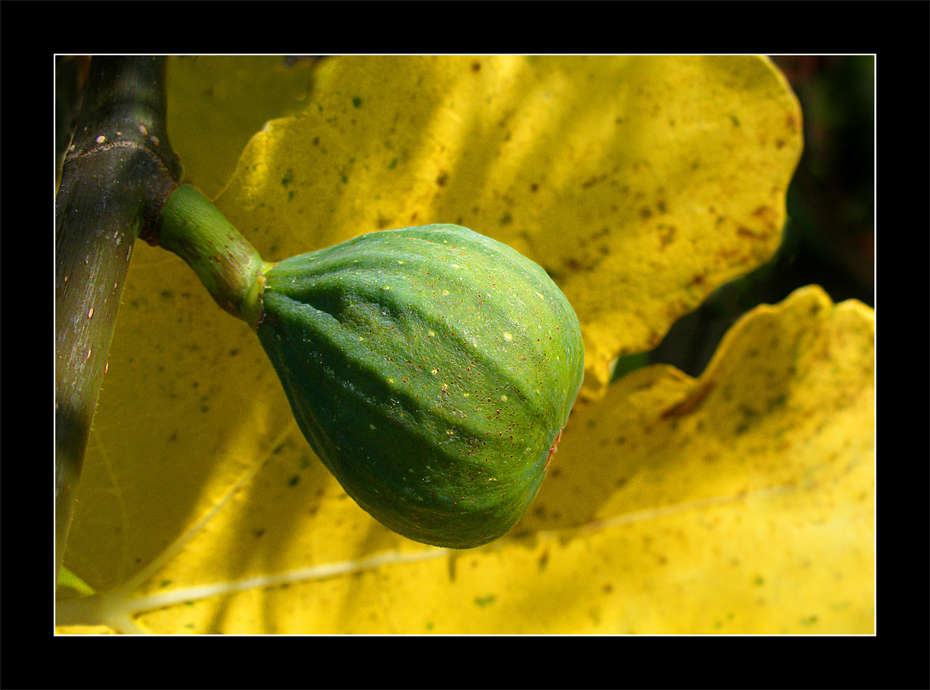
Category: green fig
[431,369]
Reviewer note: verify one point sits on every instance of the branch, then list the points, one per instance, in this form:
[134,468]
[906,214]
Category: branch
[116,176]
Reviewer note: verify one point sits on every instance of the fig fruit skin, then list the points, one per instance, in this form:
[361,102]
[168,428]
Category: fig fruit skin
[431,369]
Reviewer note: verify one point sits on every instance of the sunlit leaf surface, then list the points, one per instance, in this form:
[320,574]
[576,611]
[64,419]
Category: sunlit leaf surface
[741,501]
[639,183]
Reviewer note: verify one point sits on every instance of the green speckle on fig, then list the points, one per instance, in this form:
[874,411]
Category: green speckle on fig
[431,369]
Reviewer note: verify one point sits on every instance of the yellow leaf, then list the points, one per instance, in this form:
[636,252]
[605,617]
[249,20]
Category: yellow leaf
[639,183]
[216,104]
[738,502]
[202,509]
[86,630]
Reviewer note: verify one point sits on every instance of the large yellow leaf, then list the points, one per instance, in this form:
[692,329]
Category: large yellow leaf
[217,103]
[639,183]
[202,508]
[741,501]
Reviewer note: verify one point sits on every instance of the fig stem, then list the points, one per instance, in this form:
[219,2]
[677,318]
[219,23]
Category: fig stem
[193,228]
[115,177]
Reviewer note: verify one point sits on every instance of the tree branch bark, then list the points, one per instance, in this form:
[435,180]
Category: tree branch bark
[117,173]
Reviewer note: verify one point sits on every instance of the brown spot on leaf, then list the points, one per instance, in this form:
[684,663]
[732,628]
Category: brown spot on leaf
[690,403]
